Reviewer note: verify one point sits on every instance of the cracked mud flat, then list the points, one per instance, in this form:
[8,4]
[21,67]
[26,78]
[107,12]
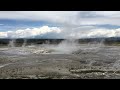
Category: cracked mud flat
[89,62]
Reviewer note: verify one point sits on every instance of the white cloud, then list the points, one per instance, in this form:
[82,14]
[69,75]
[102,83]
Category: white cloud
[91,32]
[3,34]
[108,13]
[76,24]
[66,17]
[25,33]
[80,32]
[1,24]
[50,16]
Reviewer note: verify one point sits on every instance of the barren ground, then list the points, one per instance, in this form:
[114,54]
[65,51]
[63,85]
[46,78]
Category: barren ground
[89,62]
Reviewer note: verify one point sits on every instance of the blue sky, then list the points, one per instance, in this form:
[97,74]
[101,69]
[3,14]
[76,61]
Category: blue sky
[59,24]
[7,24]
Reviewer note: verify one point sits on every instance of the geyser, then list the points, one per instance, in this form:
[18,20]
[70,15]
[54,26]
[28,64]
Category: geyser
[12,43]
[24,43]
[66,47]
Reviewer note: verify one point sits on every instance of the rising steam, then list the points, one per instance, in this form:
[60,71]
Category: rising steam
[12,43]
[66,46]
[24,43]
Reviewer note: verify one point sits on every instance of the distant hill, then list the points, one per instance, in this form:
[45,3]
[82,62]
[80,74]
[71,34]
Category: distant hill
[20,41]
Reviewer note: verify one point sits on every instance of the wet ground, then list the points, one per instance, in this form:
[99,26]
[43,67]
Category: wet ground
[89,61]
